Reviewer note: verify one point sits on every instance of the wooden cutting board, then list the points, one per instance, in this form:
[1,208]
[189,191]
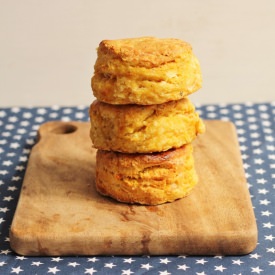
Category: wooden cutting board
[60,213]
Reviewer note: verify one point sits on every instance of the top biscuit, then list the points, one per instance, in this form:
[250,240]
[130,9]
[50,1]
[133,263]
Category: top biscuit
[145,71]
[148,52]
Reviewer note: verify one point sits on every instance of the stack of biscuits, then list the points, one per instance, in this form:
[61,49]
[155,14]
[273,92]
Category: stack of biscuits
[142,122]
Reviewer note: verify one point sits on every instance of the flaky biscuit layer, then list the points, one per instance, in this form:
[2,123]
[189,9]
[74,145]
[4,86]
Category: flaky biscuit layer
[146,178]
[145,71]
[144,129]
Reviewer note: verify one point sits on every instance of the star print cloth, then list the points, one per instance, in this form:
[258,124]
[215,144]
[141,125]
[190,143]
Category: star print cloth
[255,125]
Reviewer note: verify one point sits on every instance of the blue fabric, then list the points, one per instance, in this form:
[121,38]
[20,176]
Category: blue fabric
[256,133]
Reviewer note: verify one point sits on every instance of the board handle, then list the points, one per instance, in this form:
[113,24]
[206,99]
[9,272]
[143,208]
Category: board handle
[56,128]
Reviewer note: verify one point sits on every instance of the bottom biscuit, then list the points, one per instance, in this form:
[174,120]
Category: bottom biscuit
[148,179]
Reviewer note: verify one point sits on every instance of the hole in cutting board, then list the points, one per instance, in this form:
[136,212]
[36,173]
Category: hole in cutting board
[64,129]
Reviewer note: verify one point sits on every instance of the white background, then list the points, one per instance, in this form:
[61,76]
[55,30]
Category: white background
[48,48]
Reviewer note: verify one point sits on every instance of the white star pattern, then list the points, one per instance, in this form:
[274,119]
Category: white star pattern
[17,137]
[3,141]
[90,271]
[21,258]
[270,148]
[261,181]
[7,163]
[26,151]
[16,270]
[237,262]
[258,161]
[12,188]
[38,263]
[146,266]
[129,260]
[2,114]
[242,139]
[16,178]
[30,141]
[39,119]
[57,259]
[79,115]
[109,265]
[201,261]
[263,191]
[164,261]
[53,270]
[127,272]
[260,171]
[183,267]
[21,131]
[3,172]
[27,115]
[256,270]
[6,134]
[74,264]
[256,143]
[255,256]
[257,151]
[41,111]
[255,126]
[9,198]
[269,237]
[268,225]
[23,159]
[264,202]
[9,127]
[220,268]
[271,250]
[14,145]
[165,272]
[6,251]
[266,213]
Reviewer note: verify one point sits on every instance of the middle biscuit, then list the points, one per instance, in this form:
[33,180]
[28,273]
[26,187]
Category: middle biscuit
[144,129]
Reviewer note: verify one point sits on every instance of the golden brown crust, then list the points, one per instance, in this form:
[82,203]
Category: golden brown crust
[146,52]
[145,71]
[146,178]
[144,129]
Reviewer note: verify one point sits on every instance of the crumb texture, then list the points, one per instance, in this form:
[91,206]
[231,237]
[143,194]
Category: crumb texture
[144,129]
[148,179]
[145,71]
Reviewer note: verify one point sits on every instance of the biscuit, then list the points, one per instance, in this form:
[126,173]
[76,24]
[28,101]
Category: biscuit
[143,129]
[148,179]
[145,71]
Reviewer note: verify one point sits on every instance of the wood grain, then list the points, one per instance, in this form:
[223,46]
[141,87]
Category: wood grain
[60,213]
